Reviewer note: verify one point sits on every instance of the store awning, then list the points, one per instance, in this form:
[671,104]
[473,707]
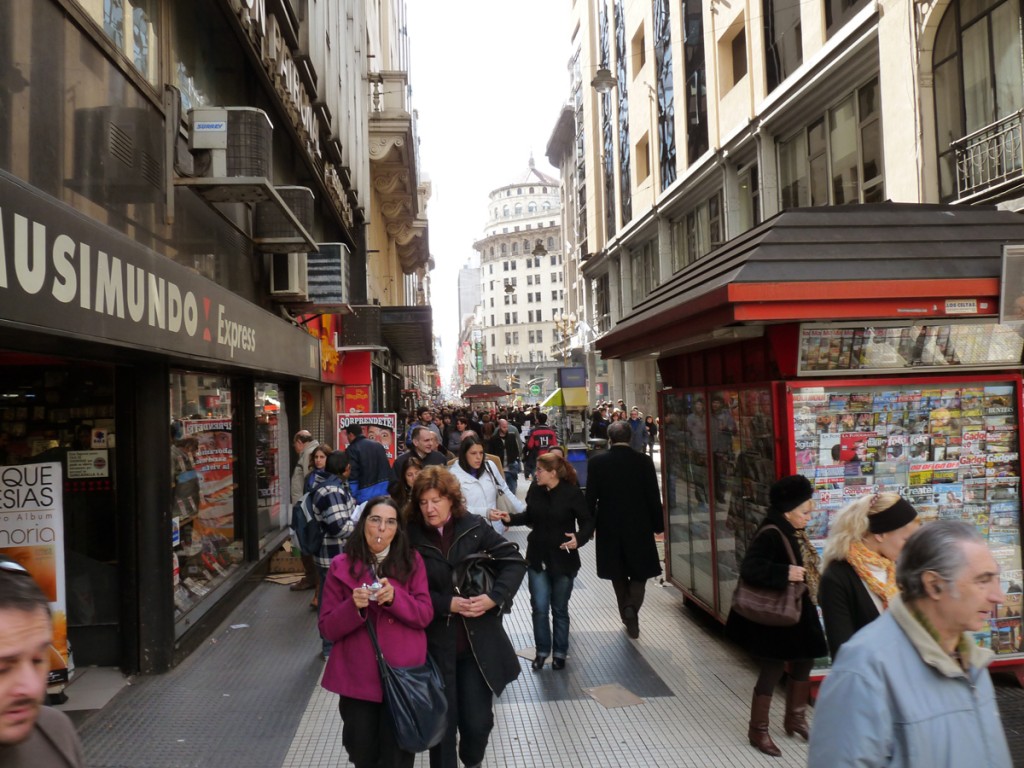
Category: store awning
[409,332]
[889,260]
[569,397]
[484,392]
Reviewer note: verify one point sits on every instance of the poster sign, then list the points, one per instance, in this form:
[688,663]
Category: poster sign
[214,463]
[376,426]
[83,464]
[32,533]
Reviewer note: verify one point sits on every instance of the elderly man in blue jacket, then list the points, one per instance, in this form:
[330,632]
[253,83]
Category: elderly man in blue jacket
[912,689]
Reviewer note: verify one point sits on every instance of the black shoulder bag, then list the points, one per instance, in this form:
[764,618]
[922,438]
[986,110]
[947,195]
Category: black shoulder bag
[415,698]
[476,573]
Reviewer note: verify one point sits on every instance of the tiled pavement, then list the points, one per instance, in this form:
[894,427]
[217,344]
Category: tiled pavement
[251,696]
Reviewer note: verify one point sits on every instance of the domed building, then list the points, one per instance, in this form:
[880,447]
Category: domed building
[522,286]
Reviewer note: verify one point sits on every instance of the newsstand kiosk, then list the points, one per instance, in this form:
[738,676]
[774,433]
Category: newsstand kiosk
[892,383]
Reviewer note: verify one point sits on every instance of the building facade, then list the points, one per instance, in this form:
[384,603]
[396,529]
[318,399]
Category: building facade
[708,119]
[199,201]
[522,285]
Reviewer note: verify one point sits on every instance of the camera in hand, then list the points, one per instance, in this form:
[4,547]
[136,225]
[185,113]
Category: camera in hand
[374,589]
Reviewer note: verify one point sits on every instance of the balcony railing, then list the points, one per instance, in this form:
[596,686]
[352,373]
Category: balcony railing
[990,157]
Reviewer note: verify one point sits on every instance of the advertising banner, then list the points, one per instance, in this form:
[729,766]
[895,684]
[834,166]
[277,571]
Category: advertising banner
[214,463]
[32,533]
[376,426]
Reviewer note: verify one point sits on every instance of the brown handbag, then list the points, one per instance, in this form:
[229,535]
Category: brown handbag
[771,607]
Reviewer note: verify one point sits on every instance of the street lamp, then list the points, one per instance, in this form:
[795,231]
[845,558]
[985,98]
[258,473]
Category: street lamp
[603,81]
[512,361]
[539,249]
[566,325]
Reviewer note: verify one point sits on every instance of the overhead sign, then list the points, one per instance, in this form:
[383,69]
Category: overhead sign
[64,272]
[535,389]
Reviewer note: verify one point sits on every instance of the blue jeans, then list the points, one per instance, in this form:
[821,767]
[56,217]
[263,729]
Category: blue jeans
[550,593]
[512,475]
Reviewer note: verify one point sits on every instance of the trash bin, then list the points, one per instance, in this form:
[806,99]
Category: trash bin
[577,456]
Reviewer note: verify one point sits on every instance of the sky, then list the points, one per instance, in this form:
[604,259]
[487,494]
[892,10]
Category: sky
[488,82]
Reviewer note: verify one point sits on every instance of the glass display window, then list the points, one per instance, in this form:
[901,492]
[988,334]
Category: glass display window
[271,462]
[207,546]
[717,468]
[950,447]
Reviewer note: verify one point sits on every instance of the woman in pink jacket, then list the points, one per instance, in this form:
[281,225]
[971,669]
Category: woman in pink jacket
[379,579]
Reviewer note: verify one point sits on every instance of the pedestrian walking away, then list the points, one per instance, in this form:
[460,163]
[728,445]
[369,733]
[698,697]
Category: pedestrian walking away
[912,688]
[378,579]
[779,554]
[625,504]
[560,523]
[370,469]
[304,445]
[466,637]
[334,509]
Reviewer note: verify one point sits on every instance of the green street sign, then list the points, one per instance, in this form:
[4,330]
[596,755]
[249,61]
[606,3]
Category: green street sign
[535,389]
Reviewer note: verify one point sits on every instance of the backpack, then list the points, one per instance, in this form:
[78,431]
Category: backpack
[309,534]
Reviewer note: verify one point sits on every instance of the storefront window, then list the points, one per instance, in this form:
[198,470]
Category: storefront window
[949,447]
[207,546]
[718,467]
[271,461]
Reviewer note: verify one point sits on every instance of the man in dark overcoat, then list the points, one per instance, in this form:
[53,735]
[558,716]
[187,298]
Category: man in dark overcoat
[625,503]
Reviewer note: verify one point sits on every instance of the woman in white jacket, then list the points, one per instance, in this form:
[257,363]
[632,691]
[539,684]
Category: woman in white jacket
[481,480]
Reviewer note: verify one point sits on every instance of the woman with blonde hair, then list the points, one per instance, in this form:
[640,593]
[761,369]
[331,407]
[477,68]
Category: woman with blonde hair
[859,577]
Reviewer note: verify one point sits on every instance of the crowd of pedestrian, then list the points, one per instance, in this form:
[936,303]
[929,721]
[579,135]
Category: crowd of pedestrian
[398,552]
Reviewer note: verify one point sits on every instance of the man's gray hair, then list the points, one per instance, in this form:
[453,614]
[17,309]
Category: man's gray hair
[936,547]
[620,432]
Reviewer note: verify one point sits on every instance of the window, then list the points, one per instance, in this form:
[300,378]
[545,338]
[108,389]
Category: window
[492,302]
[531,356]
[492,341]
[504,211]
[838,12]
[519,209]
[554,276]
[697,232]
[554,314]
[519,191]
[508,299]
[551,243]
[531,207]
[515,337]
[749,213]
[135,35]
[554,295]
[537,296]
[639,51]
[837,158]
[490,267]
[492,320]
[507,318]
[504,249]
[643,159]
[783,49]
[515,248]
[739,56]
[547,205]
[531,337]
[554,259]
[529,298]
[540,337]
[515,318]
[644,267]
[508,338]
[978,83]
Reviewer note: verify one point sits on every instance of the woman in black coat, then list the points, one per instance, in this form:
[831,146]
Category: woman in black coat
[466,638]
[554,507]
[768,564]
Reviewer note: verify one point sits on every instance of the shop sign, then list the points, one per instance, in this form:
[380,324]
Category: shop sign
[85,464]
[63,272]
[376,426]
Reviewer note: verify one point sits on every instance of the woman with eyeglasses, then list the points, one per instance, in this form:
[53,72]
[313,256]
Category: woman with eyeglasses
[377,579]
[466,637]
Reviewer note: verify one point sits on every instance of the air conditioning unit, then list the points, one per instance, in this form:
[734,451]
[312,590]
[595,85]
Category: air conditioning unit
[328,275]
[288,277]
[272,230]
[118,155]
[238,141]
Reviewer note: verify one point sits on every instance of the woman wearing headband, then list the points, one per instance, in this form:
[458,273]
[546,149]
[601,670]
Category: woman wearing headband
[859,579]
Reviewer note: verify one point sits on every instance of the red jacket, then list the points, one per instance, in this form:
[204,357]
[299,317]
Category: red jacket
[352,667]
[541,438]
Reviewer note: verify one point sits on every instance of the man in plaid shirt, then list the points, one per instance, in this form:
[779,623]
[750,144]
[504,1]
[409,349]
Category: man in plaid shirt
[333,506]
